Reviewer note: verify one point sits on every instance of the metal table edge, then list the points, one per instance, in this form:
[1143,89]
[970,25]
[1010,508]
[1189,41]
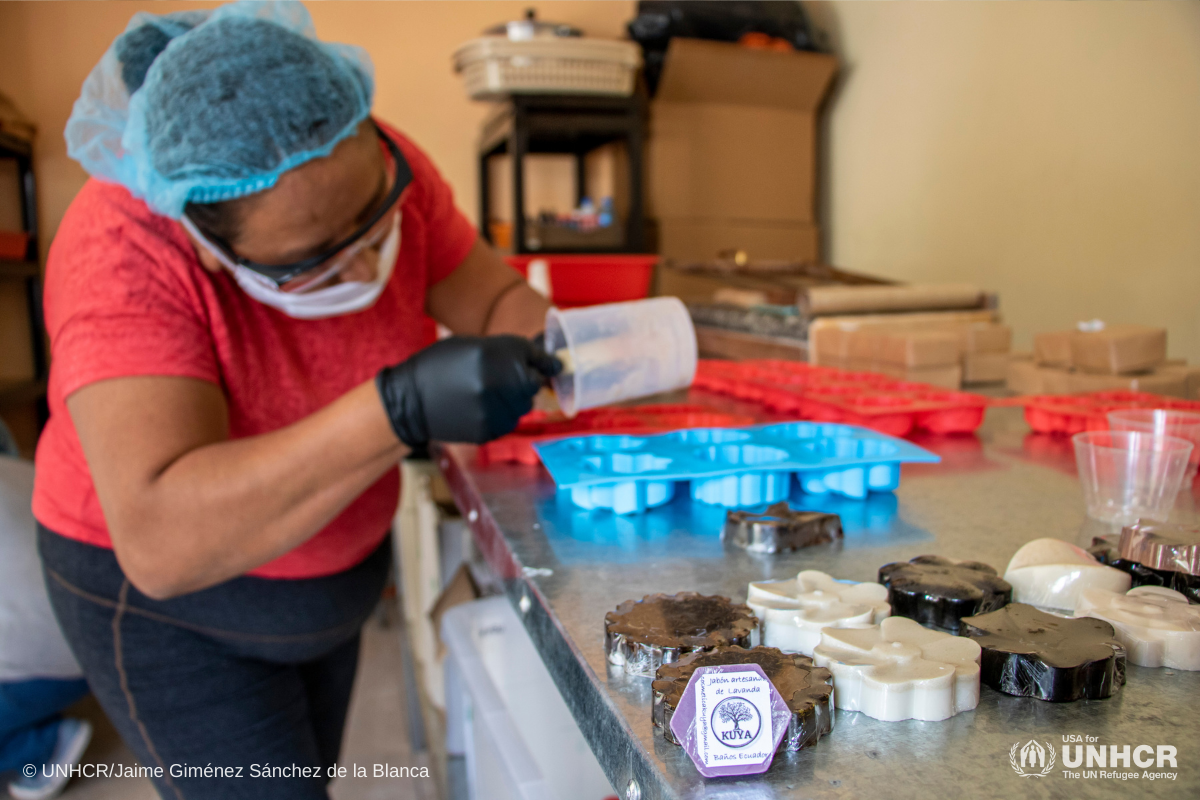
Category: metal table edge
[602,724]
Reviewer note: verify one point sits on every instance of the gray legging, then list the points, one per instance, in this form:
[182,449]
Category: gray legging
[8,445]
[247,676]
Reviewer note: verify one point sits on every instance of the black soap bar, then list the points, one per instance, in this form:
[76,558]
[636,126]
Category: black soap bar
[1029,653]
[1104,549]
[938,592]
[658,629]
[780,529]
[806,689]
[1187,585]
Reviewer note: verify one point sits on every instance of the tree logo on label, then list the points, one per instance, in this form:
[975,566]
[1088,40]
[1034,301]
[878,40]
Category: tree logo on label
[735,722]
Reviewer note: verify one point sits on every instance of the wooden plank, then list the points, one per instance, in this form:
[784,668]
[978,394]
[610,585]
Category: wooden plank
[739,345]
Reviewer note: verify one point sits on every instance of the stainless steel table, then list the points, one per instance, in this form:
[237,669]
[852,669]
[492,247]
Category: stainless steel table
[563,569]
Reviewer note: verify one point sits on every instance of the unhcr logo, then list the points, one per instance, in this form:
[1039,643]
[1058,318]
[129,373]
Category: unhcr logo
[1032,759]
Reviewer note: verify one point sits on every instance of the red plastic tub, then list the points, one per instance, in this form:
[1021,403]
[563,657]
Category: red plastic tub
[13,245]
[588,280]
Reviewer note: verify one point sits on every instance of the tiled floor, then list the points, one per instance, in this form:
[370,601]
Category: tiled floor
[375,734]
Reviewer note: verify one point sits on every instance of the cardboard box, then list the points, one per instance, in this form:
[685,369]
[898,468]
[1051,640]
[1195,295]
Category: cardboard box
[1053,349]
[1119,349]
[995,338]
[945,377]
[733,133]
[985,368]
[1023,376]
[701,239]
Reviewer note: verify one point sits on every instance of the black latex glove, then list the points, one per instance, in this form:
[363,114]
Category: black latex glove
[464,389]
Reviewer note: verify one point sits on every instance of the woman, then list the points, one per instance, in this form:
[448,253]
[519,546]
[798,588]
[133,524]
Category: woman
[237,309]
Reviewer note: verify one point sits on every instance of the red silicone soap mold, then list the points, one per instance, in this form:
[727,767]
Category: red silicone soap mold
[1074,413]
[827,394]
[517,447]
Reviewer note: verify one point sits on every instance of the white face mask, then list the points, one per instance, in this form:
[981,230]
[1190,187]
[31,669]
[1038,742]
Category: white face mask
[332,301]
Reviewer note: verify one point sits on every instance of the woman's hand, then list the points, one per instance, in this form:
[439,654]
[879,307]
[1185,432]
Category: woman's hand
[464,389]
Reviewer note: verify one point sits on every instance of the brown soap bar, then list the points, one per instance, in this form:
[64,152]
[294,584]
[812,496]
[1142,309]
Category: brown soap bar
[1023,376]
[904,349]
[944,377]
[829,345]
[779,529]
[985,367]
[806,689]
[1053,349]
[1119,349]
[979,339]
[641,635]
[1170,382]
[1055,380]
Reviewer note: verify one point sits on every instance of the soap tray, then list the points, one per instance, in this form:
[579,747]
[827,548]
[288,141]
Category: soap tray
[730,467]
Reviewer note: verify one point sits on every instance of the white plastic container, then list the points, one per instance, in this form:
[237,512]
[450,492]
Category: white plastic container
[621,351]
[520,739]
[494,67]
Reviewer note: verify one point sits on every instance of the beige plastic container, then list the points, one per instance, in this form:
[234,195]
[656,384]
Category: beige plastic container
[494,67]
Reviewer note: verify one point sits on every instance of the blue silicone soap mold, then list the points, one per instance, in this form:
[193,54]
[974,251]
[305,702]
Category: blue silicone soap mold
[731,467]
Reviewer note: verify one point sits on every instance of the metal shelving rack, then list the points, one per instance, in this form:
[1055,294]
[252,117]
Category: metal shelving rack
[565,124]
[32,390]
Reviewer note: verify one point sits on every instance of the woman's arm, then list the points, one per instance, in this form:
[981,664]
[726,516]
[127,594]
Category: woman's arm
[188,508]
[483,295]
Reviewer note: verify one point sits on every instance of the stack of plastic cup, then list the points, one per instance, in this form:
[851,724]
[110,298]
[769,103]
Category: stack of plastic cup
[1160,422]
[1130,475]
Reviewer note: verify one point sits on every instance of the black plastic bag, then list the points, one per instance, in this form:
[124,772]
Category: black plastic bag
[658,21]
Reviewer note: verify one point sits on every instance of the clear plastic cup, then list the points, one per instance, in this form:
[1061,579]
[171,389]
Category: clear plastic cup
[1160,422]
[620,351]
[1127,475]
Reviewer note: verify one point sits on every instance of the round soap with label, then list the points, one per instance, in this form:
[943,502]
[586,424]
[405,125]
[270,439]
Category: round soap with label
[807,690]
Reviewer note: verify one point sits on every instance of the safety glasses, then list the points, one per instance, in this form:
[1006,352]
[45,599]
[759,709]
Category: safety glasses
[327,264]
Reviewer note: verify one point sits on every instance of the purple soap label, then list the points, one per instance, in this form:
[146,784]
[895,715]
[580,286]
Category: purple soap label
[730,720]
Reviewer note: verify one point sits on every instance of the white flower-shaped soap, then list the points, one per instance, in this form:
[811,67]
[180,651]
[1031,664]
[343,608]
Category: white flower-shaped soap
[900,670]
[1050,573]
[1157,626]
[792,612]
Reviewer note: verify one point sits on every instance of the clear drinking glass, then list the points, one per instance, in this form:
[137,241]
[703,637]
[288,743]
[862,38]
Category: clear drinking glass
[1130,475]
[1160,422]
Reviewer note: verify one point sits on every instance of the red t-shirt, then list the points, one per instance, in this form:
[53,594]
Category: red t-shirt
[125,295]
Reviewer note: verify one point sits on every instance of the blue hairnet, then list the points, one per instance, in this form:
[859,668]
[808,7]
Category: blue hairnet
[204,106]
